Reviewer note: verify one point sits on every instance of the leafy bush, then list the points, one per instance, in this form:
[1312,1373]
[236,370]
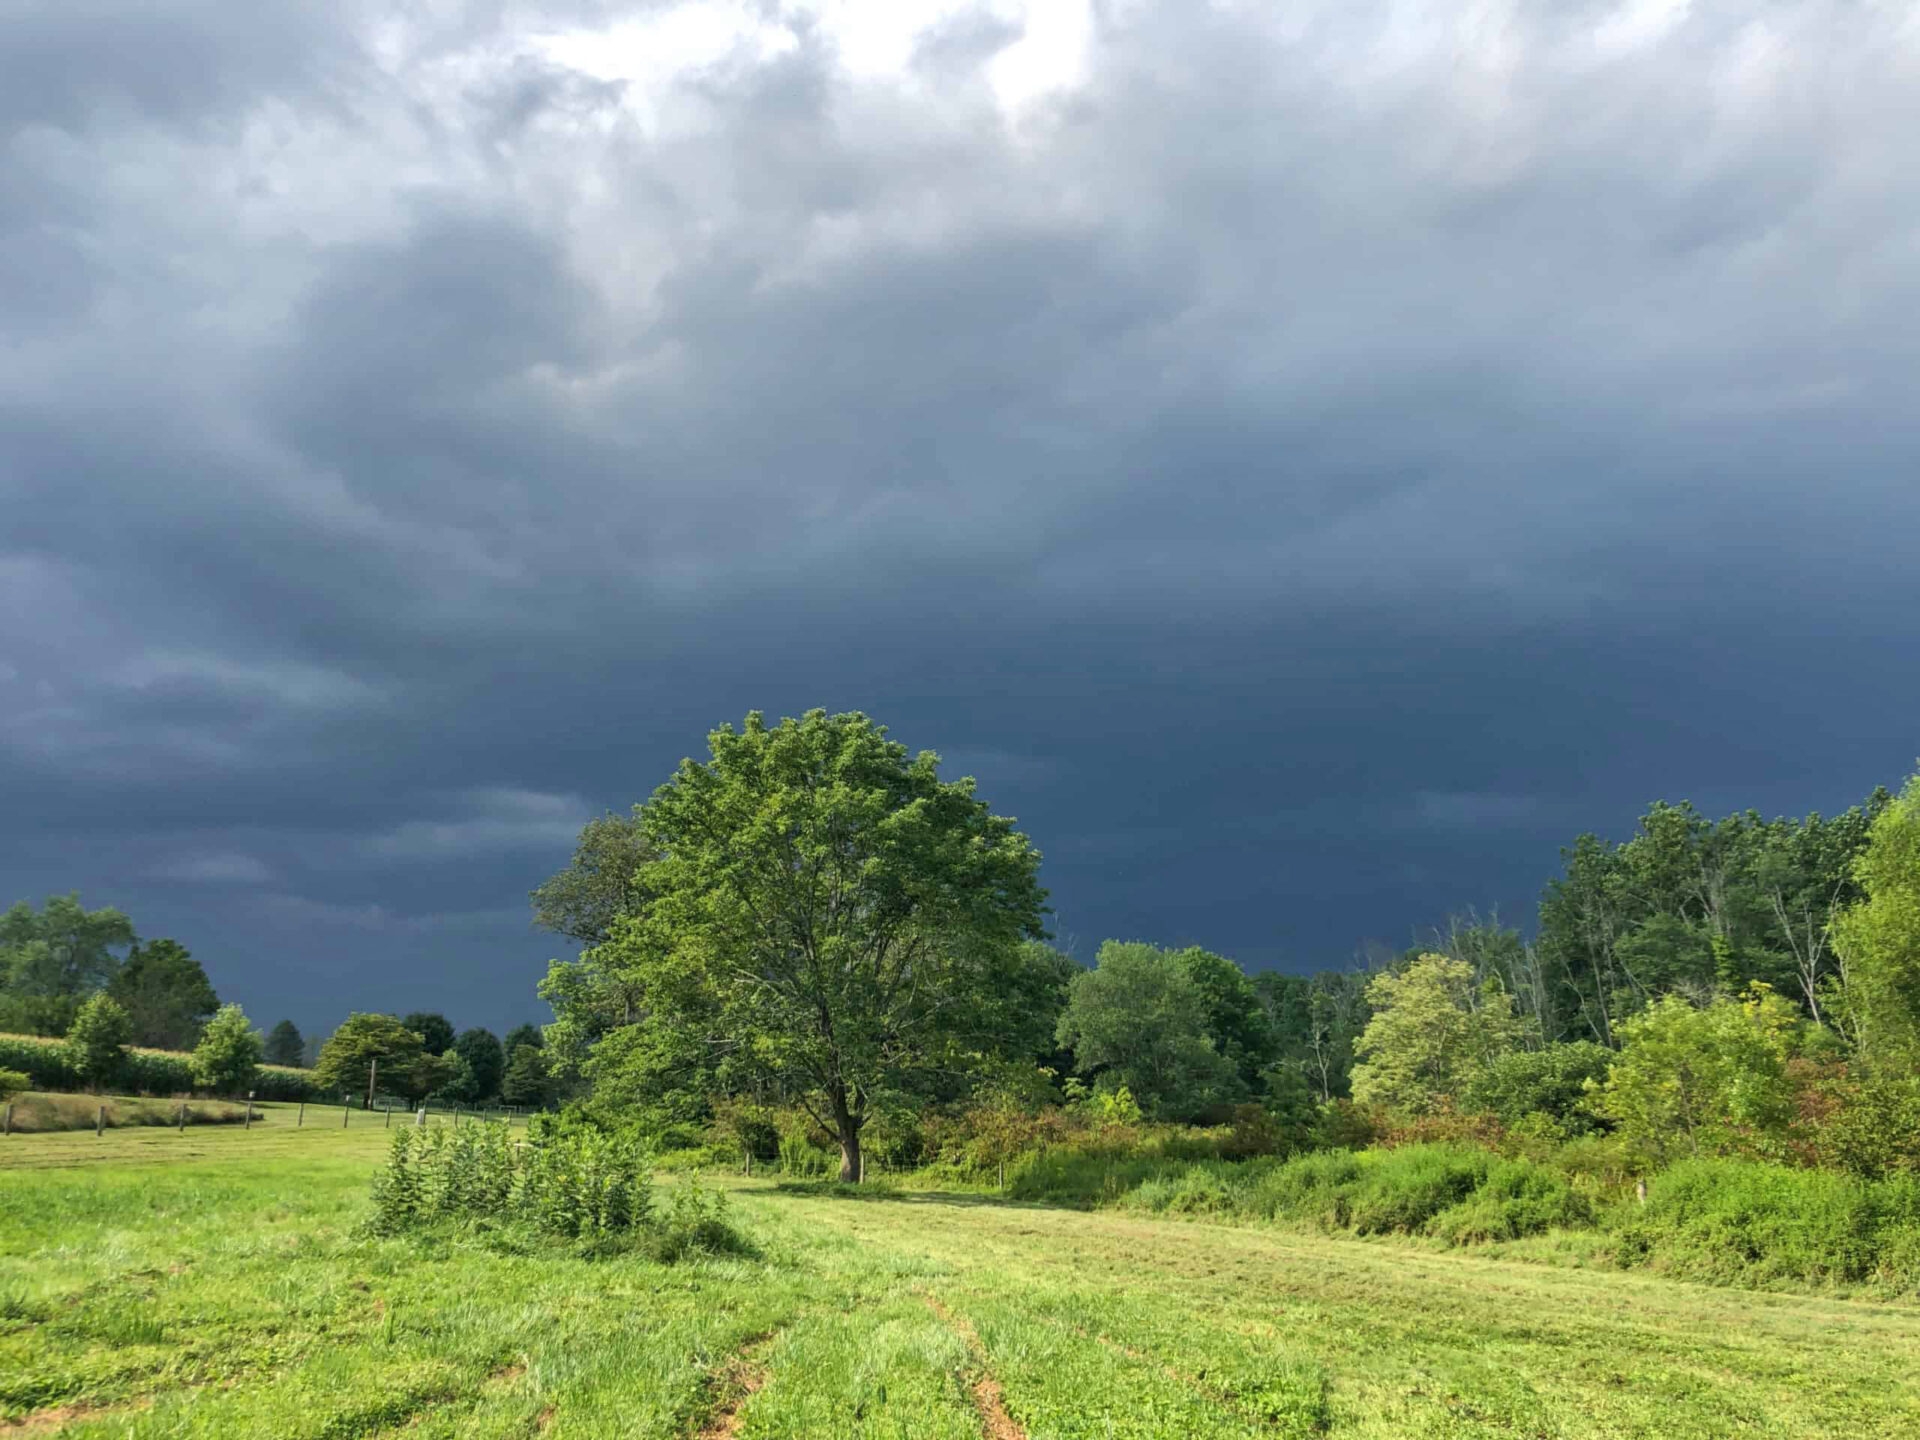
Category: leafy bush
[12,1082]
[575,1181]
[1515,1198]
[97,1040]
[1752,1223]
[1459,1195]
[228,1054]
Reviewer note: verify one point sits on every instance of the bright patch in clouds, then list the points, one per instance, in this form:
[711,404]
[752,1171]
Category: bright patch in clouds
[871,40]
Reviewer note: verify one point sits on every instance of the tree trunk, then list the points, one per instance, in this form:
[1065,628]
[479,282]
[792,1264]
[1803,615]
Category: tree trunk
[848,1126]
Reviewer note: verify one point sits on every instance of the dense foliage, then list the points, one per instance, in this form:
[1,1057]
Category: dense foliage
[1732,992]
[578,1182]
[824,918]
[228,1056]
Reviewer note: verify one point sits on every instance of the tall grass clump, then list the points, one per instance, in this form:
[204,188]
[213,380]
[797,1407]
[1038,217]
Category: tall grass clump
[581,1183]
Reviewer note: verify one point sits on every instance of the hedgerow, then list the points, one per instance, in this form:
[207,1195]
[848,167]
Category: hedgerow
[49,1065]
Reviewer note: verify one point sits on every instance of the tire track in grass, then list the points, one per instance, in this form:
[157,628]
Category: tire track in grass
[995,1422]
[735,1383]
[58,1417]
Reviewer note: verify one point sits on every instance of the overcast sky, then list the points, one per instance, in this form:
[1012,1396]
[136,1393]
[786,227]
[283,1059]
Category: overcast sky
[1308,461]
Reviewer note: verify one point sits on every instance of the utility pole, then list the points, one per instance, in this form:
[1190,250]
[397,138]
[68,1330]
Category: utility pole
[373,1070]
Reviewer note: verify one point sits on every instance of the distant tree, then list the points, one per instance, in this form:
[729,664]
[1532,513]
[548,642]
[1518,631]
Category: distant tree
[1432,1033]
[1315,1022]
[347,1060]
[601,885]
[228,1055]
[443,1077]
[1236,1021]
[435,1030]
[1878,940]
[285,1045]
[166,993]
[51,959]
[12,1082]
[526,1081]
[527,1034]
[1137,1020]
[486,1062]
[97,1040]
[1804,873]
[826,919]
[1703,1080]
[1551,1081]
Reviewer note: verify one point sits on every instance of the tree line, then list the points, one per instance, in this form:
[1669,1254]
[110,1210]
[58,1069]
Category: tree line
[87,977]
[812,917]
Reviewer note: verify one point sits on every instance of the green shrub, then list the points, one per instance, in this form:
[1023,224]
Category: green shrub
[1752,1223]
[576,1181]
[12,1082]
[1516,1198]
[1402,1191]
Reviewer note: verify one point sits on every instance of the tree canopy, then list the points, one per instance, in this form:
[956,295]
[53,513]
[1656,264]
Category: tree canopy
[285,1044]
[228,1053]
[363,1042]
[825,918]
[52,958]
[166,993]
[434,1029]
[1138,1019]
[1433,1032]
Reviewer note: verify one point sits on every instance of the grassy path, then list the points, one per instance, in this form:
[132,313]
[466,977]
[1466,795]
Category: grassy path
[211,1285]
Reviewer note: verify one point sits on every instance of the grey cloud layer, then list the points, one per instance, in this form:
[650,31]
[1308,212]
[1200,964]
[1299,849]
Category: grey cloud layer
[1300,443]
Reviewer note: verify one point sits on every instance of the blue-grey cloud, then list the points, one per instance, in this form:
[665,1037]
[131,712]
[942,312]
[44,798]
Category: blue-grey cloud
[1307,463]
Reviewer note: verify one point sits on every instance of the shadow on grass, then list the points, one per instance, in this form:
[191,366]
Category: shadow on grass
[962,1199]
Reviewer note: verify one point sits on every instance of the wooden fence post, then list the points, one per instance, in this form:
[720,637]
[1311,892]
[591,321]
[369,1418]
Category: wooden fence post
[9,1121]
[249,1122]
[100,1122]
[183,1117]
[345,1111]
[302,1119]
[389,1120]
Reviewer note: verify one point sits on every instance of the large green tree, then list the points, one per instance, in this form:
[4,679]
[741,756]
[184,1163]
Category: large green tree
[367,1052]
[486,1062]
[602,884]
[1138,1019]
[434,1029]
[1878,939]
[1433,1032]
[52,958]
[824,918]
[166,993]
[1236,1021]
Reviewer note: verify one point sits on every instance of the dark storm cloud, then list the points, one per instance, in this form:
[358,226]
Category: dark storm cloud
[1306,467]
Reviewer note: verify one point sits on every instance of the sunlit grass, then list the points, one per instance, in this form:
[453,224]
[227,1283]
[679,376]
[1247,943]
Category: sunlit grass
[217,1284]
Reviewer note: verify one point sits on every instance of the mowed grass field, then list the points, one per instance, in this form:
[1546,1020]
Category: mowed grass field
[212,1284]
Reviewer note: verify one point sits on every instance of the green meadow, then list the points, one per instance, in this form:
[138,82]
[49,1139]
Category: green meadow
[218,1283]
